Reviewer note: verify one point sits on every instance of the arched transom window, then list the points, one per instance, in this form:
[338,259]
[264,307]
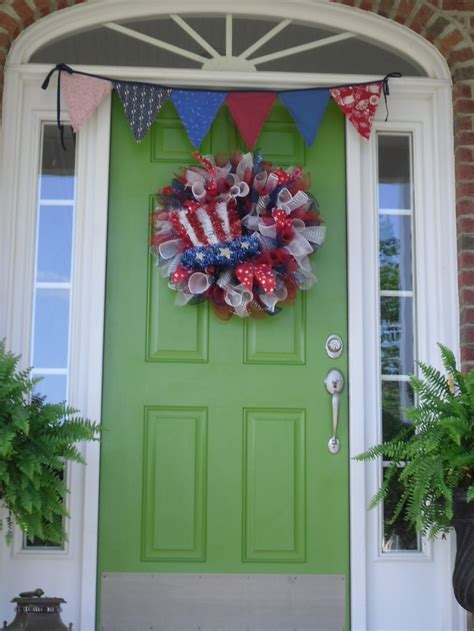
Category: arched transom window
[228,43]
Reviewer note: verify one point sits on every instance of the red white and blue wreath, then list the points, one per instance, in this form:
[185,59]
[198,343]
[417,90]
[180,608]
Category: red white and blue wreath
[237,232]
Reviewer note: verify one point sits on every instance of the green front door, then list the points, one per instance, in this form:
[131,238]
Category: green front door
[215,446]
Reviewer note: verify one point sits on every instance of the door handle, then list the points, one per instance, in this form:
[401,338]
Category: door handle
[334,385]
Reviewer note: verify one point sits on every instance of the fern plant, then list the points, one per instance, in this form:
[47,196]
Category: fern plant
[36,441]
[433,456]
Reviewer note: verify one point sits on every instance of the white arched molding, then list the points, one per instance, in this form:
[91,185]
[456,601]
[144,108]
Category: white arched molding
[375,28]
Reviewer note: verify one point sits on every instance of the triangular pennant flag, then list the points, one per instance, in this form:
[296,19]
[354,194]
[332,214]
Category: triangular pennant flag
[250,110]
[307,108]
[359,104]
[83,95]
[141,103]
[197,110]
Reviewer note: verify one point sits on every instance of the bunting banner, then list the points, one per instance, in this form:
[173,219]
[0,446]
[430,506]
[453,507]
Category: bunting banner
[250,110]
[307,109]
[142,103]
[359,104]
[197,111]
[83,96]
[197,108]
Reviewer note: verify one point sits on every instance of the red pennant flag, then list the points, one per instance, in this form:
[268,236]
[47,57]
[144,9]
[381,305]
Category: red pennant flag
[359,104]
[250,110]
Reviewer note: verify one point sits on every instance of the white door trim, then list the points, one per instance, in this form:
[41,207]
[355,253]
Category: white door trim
[425,112]
[438,245]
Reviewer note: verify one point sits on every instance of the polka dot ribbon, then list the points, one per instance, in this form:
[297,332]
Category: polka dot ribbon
[262,272]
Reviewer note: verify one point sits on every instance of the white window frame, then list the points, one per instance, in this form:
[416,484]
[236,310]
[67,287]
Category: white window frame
[421,106]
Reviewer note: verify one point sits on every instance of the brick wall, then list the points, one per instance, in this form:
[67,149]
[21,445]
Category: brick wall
[448,25]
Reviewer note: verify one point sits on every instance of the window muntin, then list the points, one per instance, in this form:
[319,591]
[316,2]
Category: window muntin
[397,311]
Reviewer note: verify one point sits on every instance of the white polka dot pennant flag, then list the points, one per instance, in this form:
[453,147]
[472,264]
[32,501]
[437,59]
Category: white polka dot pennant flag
[197,110]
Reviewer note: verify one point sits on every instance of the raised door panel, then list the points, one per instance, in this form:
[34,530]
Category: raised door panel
[274,502]
[174,484]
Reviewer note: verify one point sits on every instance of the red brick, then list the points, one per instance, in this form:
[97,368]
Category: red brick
[444,44]
[465,172]
[421,17]
[462,90]
[385,8]
[465,189]
[464,106]
[465,207]
[457,5]
[43,6]
[463,123]
[404,9]
[366,5]
[464,154]
[10,24]
[463,73]
[466,279]
[466,296]
[467,354]
[5,40]
[467,334]
[24,11]
[459,56]
[465,137]
[466,260]
[62,4]
[437,27]
[467,314]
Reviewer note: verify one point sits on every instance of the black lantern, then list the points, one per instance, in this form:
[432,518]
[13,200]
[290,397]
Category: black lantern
[35,613]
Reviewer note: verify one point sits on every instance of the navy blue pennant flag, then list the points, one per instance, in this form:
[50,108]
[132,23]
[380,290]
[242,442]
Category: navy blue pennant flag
[142,103]
[197,110]
[307,108]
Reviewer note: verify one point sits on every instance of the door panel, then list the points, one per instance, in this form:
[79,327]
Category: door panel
[214,453]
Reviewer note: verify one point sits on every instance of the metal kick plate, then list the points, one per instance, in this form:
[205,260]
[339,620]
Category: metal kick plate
[222,602]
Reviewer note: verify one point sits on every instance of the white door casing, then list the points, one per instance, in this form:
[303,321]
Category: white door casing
[420,106]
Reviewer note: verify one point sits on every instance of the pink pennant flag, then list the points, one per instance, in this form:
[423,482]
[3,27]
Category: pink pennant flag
[83,96]
[250,110]
[359,104]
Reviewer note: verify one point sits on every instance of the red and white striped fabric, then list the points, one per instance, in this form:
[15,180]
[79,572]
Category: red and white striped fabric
[198,226]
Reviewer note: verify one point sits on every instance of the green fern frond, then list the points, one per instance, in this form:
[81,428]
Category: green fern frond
[435,456]
[36,438]
[470,493]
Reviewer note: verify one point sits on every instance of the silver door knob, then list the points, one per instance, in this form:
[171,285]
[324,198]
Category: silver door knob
[334,385]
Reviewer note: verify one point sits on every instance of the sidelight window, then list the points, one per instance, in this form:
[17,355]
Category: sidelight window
[53,270]
[397,311]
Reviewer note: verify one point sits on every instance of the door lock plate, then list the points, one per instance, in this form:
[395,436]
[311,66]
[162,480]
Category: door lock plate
[334,346]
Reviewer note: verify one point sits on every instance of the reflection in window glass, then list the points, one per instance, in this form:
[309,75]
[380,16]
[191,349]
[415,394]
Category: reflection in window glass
[396,335]
[395,252]
[53,275]
[397,396]
[398,536]
[394,171]
[397,315]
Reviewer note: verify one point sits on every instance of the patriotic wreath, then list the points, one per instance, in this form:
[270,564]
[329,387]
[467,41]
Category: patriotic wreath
[237,232]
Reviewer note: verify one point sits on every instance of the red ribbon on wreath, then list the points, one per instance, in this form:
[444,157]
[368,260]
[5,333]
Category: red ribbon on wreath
[262,272]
